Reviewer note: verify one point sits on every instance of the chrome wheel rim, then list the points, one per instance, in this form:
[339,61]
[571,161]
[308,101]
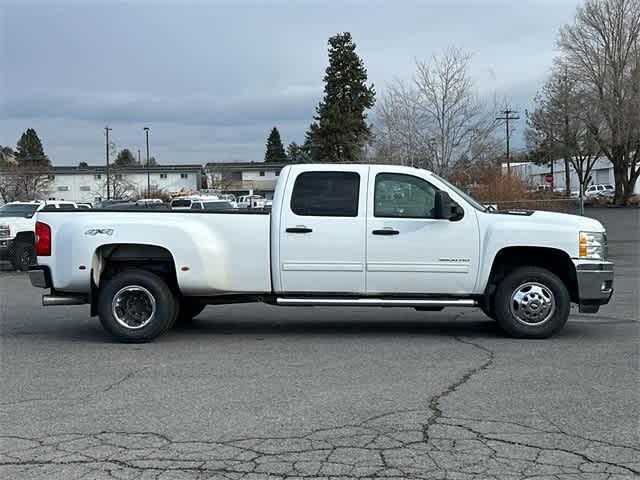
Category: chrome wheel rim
[133,307]
[532,304]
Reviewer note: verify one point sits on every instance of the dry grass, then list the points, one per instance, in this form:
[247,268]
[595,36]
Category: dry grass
[153,193]
[510,192]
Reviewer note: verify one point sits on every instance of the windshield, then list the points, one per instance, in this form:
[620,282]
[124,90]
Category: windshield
[18,210]
[472,201]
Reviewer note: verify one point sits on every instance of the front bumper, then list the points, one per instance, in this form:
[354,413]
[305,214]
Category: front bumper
[7,248]
[595,284]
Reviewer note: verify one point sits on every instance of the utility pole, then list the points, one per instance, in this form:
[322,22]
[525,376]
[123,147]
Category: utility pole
[139,162]
[508,115]
[146,131]
[106,131]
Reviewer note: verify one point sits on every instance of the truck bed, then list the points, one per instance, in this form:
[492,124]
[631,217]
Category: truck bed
[213,252]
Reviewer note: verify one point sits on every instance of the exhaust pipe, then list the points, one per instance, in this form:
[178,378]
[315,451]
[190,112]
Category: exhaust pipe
[48,300]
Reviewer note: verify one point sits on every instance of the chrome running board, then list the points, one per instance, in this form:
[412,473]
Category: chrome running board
[375,302]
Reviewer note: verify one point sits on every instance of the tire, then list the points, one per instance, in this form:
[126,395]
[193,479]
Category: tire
[532,302]
[136,306]
[188,310]
[489,312]
[23,257]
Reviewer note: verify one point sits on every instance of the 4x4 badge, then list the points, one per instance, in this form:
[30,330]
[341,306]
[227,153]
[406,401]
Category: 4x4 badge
[99,231]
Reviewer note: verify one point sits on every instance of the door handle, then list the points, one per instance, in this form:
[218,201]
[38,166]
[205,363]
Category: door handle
[299,229]
[386,231]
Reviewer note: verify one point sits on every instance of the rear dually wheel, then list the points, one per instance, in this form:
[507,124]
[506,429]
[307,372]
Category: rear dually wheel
[136,306]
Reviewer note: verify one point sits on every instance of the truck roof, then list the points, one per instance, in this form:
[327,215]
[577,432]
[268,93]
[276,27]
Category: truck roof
[329,166]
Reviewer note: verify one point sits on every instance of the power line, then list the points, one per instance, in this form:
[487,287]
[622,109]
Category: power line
[507,116]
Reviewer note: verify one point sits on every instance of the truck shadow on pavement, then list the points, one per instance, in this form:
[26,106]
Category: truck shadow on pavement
[341,327]
[273,323]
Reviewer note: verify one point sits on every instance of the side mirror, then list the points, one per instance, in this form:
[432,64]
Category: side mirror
[442,207]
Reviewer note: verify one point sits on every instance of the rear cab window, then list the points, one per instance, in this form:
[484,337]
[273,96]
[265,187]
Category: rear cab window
[326,194]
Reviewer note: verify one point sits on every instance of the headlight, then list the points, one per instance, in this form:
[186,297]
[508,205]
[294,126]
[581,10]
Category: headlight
[5,231]
[593,245]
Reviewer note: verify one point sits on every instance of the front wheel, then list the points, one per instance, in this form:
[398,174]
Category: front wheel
[23,257]
[532,302]
[136,306]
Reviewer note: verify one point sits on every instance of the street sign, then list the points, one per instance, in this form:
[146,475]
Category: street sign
[548,178]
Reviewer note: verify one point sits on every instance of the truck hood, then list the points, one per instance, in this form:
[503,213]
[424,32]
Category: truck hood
[18,224]
[574,222]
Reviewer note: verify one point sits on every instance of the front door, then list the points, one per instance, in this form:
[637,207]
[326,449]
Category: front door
[322,231]
[409,251]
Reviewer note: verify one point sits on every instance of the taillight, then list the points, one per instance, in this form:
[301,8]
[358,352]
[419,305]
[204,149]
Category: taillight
[43,240]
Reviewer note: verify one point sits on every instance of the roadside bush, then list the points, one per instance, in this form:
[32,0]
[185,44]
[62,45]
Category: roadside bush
[510,192]
[153,193]
[598,201]
[634,201]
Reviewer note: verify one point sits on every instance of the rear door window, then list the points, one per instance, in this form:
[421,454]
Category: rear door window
[326,194]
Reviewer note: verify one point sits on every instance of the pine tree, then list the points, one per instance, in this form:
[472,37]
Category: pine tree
[29,148]
[275,149]
[125,158]
[296,153]
[340,130]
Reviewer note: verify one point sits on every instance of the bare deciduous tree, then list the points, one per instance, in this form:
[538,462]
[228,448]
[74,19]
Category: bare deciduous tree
[557,128]
[438,120]
[23,181]
[120,188]
[400,135]
[455,116]
[602,53]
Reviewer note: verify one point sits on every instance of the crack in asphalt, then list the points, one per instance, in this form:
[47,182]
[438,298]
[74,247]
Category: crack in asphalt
[434,403]
[401,444]
[80,398]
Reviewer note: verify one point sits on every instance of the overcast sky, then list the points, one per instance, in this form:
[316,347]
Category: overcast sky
[211,78]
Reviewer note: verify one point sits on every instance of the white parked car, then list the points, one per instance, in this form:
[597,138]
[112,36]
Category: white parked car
[600,190]
[338,235]
[202,203]
[17,227]
[251,201]
[142,201]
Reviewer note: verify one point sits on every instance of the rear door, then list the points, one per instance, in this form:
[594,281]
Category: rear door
[322,230]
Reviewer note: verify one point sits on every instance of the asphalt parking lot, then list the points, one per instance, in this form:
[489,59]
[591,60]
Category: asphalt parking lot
[253,391]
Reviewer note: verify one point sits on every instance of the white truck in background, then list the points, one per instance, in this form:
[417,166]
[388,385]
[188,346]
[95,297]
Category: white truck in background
[17,227]
[338,235]
[251,201]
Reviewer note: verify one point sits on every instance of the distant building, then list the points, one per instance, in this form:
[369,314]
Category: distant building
[242,178]
[7,156]
[602,173]
[89,184]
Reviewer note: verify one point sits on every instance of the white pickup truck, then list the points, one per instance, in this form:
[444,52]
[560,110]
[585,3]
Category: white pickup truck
[17,227]
[338,235]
